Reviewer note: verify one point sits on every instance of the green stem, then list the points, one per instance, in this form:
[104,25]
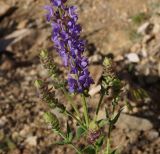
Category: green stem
[71,144]
[62,135]
[108,146]
[85,110]
[71,102]
[108,139]
[98,106]
[96,150]
[79,122]
[78,151]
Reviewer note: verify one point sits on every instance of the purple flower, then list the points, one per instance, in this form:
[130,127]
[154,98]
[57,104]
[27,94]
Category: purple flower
[72,84]
[50,13]
[69,45]
[56,2]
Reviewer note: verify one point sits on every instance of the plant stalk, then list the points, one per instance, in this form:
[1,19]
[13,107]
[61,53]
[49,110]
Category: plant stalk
[76,149]
[108,146]
[98,106]
[85,110]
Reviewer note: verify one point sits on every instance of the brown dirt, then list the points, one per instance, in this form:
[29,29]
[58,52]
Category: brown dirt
[110,30]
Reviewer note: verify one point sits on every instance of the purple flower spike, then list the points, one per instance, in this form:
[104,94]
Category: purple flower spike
[69,45]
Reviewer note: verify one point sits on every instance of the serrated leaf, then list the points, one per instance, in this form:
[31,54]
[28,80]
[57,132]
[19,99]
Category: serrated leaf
[80,132]
[89,150]
[52,119]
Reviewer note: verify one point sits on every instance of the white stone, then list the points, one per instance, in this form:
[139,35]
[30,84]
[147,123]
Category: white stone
[133,57]
[142,29]
[95,58]
[94,90]
[3,121]
[130,122]
[126,121]
[25,131]
[152,135]
[31,140]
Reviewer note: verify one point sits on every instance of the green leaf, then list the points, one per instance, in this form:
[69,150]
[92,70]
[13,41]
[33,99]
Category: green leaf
[99,142]
[80,132]
[103,122]
[89,150]
[69,133]
[115,119]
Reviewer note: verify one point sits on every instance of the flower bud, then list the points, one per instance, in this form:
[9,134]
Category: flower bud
[38,83]
[107,62]
[43,54]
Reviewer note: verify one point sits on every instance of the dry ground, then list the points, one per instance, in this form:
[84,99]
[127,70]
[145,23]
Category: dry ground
[110,28]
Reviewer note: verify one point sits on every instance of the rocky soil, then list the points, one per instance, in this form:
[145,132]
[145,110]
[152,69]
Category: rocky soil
[127,31]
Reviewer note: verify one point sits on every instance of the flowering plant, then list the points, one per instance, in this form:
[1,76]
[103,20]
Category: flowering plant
[69,45]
